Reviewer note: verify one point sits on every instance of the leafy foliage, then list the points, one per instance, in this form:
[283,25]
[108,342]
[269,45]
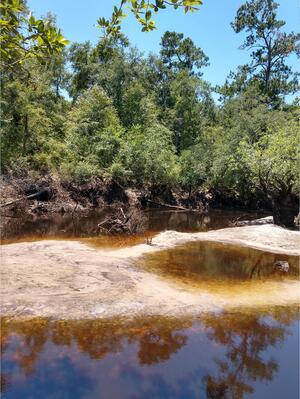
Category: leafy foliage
[270,48]
[93,131]
[143,12]
[25,37]
[274,159]
[178,53]
[152,121]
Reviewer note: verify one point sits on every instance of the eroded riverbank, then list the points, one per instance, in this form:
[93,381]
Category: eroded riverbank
[71,280]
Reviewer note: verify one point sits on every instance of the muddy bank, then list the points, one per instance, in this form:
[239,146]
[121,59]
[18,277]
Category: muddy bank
[70,280]
[51,193]
[38,195]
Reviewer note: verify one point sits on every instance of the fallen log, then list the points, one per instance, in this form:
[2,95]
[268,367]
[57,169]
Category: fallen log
[239,223]
[162,204]
[26,197]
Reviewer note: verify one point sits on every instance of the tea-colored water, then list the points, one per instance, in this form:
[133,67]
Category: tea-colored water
[85,226]
[248,352]
[226,355]
[233,276]
[204,262]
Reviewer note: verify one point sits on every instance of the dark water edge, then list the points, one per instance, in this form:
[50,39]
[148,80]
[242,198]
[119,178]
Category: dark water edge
[249,354]
[62,226]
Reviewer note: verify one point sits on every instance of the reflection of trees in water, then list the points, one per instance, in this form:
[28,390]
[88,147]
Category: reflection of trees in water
[177,220]
[32,337]
[157,339]
[86,224]
[197,261]
[81,225]
[244,336]
[158,344]
[59,225]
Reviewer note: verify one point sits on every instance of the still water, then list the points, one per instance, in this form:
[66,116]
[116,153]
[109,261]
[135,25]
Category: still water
[57,226]
[203,262]
[216,356]
[249,352]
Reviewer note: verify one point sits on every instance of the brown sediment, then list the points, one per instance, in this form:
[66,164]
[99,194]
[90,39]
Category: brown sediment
[71,280]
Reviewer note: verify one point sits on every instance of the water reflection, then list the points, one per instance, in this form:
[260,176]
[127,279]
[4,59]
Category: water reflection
[244,341]
[205,262]
[86,225]
[226,355]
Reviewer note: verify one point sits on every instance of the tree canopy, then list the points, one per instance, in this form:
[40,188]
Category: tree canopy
[153,121]
[270,47]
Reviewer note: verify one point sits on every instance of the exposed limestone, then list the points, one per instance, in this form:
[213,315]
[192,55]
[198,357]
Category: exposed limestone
[68,279]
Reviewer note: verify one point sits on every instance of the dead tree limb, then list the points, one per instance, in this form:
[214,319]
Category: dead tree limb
[27,197]
[162,204]
[131,222]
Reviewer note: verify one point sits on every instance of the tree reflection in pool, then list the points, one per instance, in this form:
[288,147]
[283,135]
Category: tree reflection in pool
[217,356]
[202,263]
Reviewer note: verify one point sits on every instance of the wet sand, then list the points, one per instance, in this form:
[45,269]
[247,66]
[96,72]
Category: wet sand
[71,280]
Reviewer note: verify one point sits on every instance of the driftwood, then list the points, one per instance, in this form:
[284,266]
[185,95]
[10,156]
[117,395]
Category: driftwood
[239,223]
[26,197]
[131,223]
[162,204]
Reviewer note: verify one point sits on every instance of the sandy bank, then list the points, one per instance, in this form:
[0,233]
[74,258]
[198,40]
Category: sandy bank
[265,238]
[67,279]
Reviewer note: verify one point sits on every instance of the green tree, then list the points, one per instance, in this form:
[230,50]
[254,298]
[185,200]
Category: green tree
[117,75]
[244,117]
[24,37]
[270,48]
[32,74]
[255,155]
[273,163]
[93,133]
[81,78]
[147,155]
[195,164]
[32,119]
[138,107]
[189,110]
[95,65]
[179,53]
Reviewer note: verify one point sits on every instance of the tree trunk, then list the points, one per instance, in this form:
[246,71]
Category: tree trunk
[285,210]
[26,135]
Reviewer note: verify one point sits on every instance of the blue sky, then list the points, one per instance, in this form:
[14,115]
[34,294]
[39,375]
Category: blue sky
[209,28]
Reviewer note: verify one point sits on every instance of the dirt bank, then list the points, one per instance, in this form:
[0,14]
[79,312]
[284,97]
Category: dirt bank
[67,279]
[23,193]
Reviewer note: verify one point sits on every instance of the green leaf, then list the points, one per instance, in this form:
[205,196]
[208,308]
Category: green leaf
[148,15]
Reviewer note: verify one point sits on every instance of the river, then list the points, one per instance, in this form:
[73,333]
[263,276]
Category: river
[242,352]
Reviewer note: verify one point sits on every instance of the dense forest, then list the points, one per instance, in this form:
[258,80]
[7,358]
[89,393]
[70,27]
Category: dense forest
[92,114]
